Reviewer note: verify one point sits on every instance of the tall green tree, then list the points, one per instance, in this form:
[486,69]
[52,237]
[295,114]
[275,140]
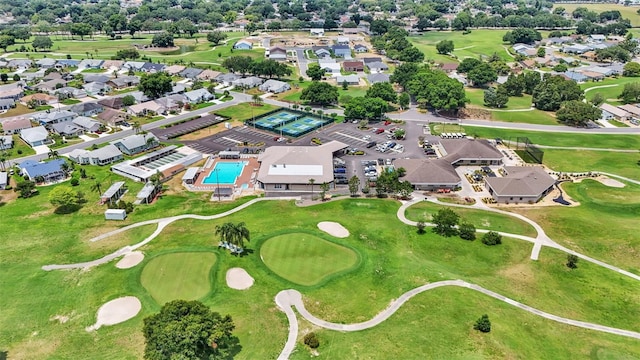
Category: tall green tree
[354,184]
[42,42]
[549,94]
[81,29]
[445,47]
[445,221]
[315,72]
[162,39]
[578,113]
[155,85]
[64,197]
[235,234]
[482,74]
[382,90]
[189,330]
[6,41]
[320,93]
[215,37]
[630,93]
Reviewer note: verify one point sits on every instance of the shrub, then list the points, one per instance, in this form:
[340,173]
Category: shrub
[572,261]
[311,340]
[420,225]
[467,231]
[483,324]
[492,238]
[75,182]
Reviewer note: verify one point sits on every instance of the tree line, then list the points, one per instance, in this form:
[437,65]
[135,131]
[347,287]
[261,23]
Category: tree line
[246,65]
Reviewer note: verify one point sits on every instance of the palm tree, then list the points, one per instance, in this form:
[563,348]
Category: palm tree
[53,154]
[97,187]
[311,182]
[257,100]
[136,127]
[234,234]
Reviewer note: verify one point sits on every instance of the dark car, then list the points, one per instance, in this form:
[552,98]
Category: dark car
[371,144]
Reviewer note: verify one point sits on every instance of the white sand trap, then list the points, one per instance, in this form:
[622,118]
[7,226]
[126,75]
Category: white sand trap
[611,182]
[117,311]
[130,260]
[333,229]
[239,279]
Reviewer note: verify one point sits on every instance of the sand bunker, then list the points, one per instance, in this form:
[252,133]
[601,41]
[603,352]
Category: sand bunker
[130,260]
[611,182]
[239,279]
[117,311]
[333,229]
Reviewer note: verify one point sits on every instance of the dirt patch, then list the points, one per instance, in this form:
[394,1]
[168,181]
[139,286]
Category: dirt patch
[239,279]
[610,182]
[474,113]
[116,311]
[208,131]
[60,318]
[333,229]
[130,260]
[521,275]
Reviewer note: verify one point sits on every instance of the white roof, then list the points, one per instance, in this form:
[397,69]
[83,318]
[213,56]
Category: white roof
[4,179]
[34,134]
[614,110]
[190,173]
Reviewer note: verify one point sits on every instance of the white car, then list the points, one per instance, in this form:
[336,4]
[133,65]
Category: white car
[366,137]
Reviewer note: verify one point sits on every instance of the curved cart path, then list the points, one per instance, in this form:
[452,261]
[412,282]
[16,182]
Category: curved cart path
[288,299]
[162,223]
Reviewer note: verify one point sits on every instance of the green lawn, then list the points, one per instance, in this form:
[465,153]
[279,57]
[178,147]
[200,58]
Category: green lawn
[70,101]
[611,92]
[623,164]
[20,149]
[180,275]
[477,43]
[627,12]
[530,117]
[19,109]
[306,259]
[245,111]
[476,98]
[423,211]
[393,259]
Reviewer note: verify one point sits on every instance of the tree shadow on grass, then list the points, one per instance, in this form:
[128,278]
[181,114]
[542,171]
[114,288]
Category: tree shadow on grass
[4,355]
[234,348]
[68,209]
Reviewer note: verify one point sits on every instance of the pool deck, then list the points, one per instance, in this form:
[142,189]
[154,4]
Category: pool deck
[247,176]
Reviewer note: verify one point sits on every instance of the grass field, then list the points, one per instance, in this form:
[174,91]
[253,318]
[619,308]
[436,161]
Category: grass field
[20,149]
[423,211]
[477,43]
[393,260]
[178,276]
[16,111]
[305,259]
[627,12]
[476,98]
[613,88]
[245,111]
[529,117]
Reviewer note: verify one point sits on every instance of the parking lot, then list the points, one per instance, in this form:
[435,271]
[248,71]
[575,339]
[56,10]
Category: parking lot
[235,139]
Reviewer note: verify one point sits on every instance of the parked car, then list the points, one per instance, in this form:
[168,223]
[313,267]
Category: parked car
[379,131]
[371,144]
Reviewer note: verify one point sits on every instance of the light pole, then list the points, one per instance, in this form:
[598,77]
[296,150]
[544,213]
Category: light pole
[217,183]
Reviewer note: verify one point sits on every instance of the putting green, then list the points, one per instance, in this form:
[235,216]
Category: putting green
[305,259]
[182,276]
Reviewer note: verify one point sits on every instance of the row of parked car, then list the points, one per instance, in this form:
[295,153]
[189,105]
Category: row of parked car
[370,169]
[340,171]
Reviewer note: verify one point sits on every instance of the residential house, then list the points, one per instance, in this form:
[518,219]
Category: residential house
[6,142]
[575,49]
[46,63]
[50,171]
[35,136]
[449,67]
[113,117]
[369,60]
[90,64]
[342,51]
[112,103]
[112,64]
[51,85]
[528,64]
[152,68]
[15,125]
[243,45]
[114,193]
[87,124]
[19,64]
[55,117]
[359,48]
[139,96]
[174,69]
[342,40]
[632,109]
[178,88]
[190,73]
[198,96]
[87,109]
[378,66]
[612,112]
[377,78]
[321,51]
[597,38]
[520,184]
[101,156]
[316,32]
[171,103]
[227,79]
[349,79]
[353,66]
[68,92]
[575,76]
[67,63]
[351,31]
[12,91]
[278,53]
[134,144]
[604,71]
[208,75]
[133,65]
[146,108]
[248,82]
[67,129]
[329,65]
[559,40]
[123,82]
[96,88]
[99,78]
[524,49]
[593,76]
[274,86]
[4,180]
[460,77]
[6,104]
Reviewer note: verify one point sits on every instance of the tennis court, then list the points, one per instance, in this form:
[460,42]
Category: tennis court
[290,123]
[276,119]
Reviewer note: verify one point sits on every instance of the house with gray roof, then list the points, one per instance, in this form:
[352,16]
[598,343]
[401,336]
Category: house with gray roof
[68,92]
[343,51]
[51,85]
[377,78]
[20,63]
[96,88]
[87,124]
[101,78]
[133,65]
[248,82]
[359,48]
[151,68]
[198,95]
[170,103]
[227,79]
[67,129]
[46,63]
[612,112]
[90,64]
[190,73]
[6,104]
[35,136]
[575,49]
[113,117]
[277,53]
[429,175]
[243,45]
[102,156]
[6,142]
[55,117]
[67,63]
[377,66]
[123,82]
[575,76]
[470,152]
[274,86]
[350,79]
[87,109]
[177,89]
[521,184]
[134,144]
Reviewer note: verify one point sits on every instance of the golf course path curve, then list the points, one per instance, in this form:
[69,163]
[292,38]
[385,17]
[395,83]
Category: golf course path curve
[286,300]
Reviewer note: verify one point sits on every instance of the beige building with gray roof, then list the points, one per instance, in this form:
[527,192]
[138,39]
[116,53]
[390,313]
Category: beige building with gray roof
[425,174]
[521,184]
[472,152]
[288,169]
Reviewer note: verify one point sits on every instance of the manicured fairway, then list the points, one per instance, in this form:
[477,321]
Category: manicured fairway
[476,98]
[305,259]
[423,211]
[178,276]
[627,12]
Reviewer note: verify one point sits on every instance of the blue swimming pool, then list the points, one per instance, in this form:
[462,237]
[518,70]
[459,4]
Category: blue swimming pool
[225,172]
